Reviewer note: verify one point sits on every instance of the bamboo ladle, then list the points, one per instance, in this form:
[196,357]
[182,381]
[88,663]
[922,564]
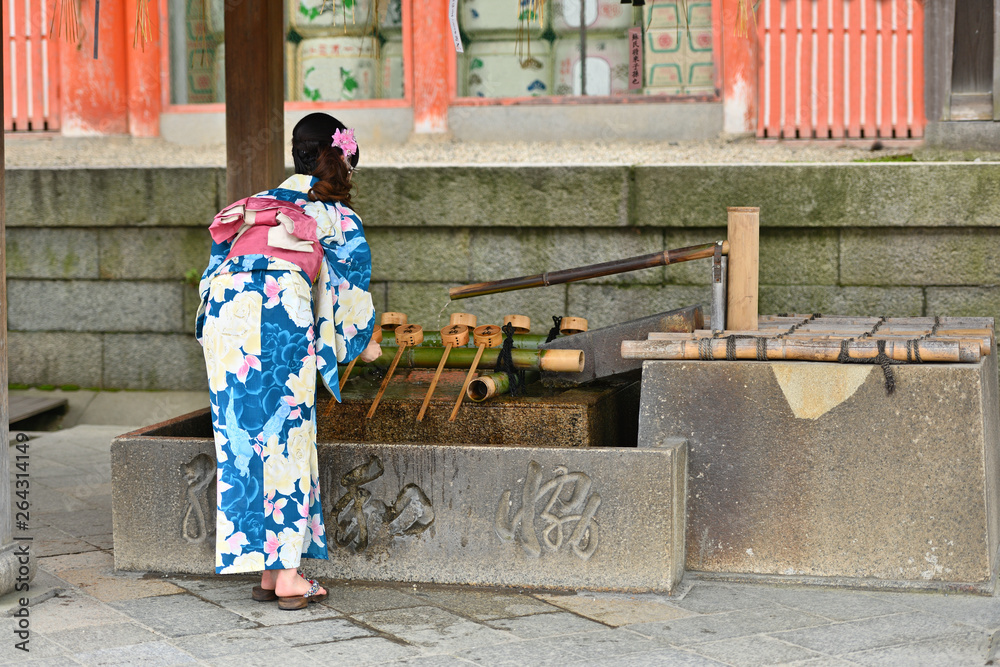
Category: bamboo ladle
[452,335]
[407,335]
[488,335]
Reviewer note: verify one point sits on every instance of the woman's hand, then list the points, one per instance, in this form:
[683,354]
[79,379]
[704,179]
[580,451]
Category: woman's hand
[371,353]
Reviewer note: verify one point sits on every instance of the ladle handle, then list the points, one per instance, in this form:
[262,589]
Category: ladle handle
[468,381]
[430,390]
[385,382]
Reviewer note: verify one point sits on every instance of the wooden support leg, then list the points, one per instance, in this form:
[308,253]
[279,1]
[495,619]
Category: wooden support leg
[744,243]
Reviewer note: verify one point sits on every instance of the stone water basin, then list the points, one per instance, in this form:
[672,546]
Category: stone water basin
[548,490]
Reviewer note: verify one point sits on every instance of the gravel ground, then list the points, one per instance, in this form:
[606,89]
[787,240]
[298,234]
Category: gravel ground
[56,151]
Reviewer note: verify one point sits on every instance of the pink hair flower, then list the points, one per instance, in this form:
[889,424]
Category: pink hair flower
[345,142]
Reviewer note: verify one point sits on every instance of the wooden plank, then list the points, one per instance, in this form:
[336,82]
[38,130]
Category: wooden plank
[22,407]
[854,75]
[870,70]
[805,84]
[822,55]
[837,99]
[37,64]
[790,59]
[52,76]
[996,60]
[255,125]
[8,81]
[777,82]
[887,54]
[900,121]
[19,71]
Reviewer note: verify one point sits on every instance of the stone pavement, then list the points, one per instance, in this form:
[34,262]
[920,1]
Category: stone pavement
[83,612]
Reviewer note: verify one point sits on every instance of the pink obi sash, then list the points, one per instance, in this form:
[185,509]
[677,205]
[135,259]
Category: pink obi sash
[265,226]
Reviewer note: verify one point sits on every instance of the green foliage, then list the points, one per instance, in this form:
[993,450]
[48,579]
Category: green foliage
[192,277]
[906,157]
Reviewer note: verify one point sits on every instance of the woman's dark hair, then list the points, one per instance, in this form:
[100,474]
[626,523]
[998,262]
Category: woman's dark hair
[314,154]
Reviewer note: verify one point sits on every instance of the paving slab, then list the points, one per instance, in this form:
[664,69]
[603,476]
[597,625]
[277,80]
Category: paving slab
[316,632]
[103,584]
[264,658]
[72,609]
[959,651]
[842,605]
[616,612]
[268,613]
[363,651]
[228,643]
[39,646]
[152,654]
[539,626]
[104,636]
[709,597]
[354,598]
[982,612]
[433,628]
[756,651]
[537,652]
[673,657]
[728,625]
[839,639]
[181,615]
[484,605]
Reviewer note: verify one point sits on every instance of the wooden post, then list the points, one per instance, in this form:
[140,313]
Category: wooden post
[255,96]
[744,242]
[143,73]
[433,75]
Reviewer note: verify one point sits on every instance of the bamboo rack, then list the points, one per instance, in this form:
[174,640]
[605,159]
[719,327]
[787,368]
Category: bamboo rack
[980,337]
[788,349]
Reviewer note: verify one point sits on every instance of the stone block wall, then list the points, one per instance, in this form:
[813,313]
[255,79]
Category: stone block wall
[96,258]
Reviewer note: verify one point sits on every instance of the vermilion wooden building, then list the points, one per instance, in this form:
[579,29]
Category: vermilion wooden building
[806,68]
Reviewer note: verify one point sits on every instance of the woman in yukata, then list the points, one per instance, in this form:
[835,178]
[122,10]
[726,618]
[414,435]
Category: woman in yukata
[285,295]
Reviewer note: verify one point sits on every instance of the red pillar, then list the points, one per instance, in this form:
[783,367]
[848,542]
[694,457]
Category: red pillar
[739,70]
[95,92]
[143,72]
[431,40]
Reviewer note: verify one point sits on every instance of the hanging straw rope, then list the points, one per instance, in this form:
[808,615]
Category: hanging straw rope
[66,20]
[143,31]
[744,12]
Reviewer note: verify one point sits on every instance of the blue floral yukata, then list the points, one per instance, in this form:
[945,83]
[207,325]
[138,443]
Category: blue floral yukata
[266,328]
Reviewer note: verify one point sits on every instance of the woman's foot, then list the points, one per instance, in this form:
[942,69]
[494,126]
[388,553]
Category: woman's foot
[289,583]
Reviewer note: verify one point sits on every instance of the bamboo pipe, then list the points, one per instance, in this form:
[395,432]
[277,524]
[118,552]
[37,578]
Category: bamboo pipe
[489,385]
[453,334]
[485,336]
[985,343]
[555,361]
[409,334]
[804,350]
[584,272]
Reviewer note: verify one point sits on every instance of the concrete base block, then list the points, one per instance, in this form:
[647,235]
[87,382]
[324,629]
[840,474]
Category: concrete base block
[578,518]
[801,470]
